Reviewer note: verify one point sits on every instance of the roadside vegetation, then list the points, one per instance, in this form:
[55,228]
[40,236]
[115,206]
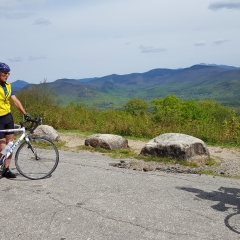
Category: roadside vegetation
[205,119]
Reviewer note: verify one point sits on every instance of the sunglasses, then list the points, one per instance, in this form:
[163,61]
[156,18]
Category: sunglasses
[5,73]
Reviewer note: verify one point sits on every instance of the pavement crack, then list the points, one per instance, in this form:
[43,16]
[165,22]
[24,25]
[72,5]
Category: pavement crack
[81,206]
[196,213]
[135,224]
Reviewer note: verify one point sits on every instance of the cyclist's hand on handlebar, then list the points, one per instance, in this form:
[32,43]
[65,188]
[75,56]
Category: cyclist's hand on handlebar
[27,117]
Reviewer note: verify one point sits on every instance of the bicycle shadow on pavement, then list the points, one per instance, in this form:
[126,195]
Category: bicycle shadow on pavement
[224,197]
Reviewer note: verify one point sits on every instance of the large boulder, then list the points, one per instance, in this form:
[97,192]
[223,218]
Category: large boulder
[177,146]
[46,131]
[106,141]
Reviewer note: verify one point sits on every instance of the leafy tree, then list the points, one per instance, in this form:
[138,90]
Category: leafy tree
[216,111]
[136,107]
[38,100]
[167,110]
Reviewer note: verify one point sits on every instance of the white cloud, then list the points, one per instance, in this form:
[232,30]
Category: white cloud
[17,14]
[14,9]
[149,49]
[225,5]
[200,43]
[41,21]
[31,58]
[220,41]
[15,59]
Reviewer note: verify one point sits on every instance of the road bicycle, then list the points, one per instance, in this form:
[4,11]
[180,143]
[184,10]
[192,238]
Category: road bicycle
[36,157]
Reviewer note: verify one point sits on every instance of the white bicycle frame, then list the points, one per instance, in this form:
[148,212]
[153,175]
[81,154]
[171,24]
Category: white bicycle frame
[24,135]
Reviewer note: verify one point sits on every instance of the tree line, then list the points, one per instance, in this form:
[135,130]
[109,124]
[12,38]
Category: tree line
[205,119]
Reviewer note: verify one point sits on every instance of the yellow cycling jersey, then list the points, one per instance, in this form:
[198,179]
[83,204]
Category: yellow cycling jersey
[5,95]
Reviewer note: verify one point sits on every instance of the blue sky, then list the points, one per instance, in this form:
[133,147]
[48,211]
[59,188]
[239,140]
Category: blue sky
[49,39]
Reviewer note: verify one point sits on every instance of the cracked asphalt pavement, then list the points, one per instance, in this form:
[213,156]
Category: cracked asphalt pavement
[87,198]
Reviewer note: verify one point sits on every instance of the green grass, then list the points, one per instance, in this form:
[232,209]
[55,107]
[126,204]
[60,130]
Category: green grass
[75,131]
[211,162]
[224,145]
[60,145]
[210,172]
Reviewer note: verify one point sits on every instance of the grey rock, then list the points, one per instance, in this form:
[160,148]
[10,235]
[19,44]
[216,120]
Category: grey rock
[47,132]
[106,141]
[176,146]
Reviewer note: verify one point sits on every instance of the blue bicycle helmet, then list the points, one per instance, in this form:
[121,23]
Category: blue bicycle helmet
[4,67]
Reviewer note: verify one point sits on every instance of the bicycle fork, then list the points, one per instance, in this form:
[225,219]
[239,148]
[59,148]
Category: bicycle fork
[32,148]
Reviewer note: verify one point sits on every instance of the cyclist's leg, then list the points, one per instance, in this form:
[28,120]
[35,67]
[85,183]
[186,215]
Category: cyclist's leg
[2,146]
[2,134]
[6,171]
[6,122]
[9,138]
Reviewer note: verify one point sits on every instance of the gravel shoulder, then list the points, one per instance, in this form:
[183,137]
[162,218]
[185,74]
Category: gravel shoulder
[228,159]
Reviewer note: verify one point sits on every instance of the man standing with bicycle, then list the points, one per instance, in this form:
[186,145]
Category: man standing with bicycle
[6,119]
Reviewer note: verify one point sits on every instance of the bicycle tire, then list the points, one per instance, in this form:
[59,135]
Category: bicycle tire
[32,168]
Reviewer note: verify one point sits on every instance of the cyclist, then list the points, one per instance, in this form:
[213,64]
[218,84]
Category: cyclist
[6,119]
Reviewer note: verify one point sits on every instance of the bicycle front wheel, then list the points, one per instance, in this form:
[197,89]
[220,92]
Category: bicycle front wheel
[36,159]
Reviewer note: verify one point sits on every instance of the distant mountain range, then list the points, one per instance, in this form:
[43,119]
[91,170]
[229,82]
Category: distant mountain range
[202,81]
[18,85]
[221,66]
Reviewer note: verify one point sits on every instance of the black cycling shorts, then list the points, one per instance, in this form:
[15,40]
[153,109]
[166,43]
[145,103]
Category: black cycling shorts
[6,122]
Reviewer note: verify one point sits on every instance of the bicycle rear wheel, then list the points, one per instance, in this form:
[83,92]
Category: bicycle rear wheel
[40,163]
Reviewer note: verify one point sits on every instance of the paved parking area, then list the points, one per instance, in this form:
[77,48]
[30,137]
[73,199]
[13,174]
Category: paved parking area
[87,199]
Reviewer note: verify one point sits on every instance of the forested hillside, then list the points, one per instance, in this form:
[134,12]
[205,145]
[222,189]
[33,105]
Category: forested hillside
[197,82]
